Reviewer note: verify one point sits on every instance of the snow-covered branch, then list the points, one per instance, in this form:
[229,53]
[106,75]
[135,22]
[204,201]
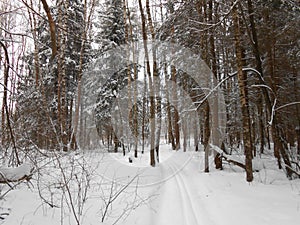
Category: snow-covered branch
[9,174]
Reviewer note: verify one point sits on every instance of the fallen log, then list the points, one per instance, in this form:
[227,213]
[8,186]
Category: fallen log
[234,162]
[228,158]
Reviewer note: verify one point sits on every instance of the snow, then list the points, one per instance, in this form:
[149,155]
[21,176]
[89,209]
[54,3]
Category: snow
[222,197]
[14,174]
[175,192]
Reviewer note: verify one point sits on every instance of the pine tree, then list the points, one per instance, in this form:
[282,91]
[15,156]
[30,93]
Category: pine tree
[112,27]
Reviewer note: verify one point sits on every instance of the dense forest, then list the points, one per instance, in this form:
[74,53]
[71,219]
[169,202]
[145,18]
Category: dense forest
[121,75]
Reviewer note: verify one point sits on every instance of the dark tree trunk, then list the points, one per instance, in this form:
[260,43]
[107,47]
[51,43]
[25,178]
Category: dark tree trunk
[206,138]
[242,78]
[151,88]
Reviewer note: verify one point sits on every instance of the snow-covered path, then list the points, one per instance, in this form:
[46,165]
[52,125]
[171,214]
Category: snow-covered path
[179,203]
[188,196]
[175,192]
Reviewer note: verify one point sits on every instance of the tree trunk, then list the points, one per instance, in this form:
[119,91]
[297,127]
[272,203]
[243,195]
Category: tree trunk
[174,96]
[215,136]
[151,87]
[261,125]
[206,137]
[116,142]
[5,111]
[62,108]
[158,128]
[242,82]
[33,26]
[169,118]
[279,149]
[176,114]
[257,55]
[52,28]
[156,78]
[298,142]
[196,135]
[78,103]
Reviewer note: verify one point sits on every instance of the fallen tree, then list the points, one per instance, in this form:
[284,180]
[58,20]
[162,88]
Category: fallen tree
[229,158]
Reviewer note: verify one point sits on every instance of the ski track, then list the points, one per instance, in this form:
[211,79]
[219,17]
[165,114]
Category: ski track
[186,202]
[193,211]
[168,213]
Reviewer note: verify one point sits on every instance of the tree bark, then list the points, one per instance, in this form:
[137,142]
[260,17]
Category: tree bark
[216,137]
[169,118]
[62,108]
[176,114]
[279,149]
[5,111]
[151,87]
[174,93]
[156,78]
[242,82]
[259,68]
[52,28]
[206,137]
[196,136]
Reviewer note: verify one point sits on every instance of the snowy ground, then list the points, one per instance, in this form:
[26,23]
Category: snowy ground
[176,192]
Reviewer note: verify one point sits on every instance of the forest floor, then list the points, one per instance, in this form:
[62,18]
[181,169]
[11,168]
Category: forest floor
[96,186]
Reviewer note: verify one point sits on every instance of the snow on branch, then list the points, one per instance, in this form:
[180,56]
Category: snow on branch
[289,104]
[9,174]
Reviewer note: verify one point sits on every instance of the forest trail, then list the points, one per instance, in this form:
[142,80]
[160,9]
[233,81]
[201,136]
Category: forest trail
[175,192]
[188,196]
[180,198]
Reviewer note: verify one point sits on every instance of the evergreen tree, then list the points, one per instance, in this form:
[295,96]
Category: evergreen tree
[112,29]
[55,91]
[113,65]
